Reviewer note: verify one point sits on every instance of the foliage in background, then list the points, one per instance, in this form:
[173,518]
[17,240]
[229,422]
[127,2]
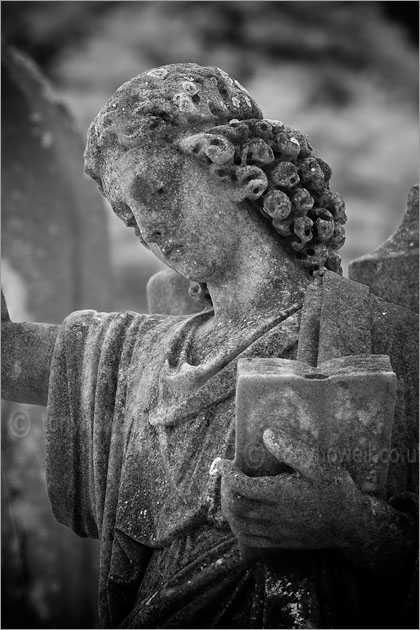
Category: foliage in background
[341,71]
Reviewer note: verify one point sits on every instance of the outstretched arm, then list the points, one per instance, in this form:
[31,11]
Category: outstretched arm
[26,352]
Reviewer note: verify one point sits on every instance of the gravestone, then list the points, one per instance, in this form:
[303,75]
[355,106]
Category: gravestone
[55,259]
[392,270]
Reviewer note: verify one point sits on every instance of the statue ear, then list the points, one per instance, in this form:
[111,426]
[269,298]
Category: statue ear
[251,183]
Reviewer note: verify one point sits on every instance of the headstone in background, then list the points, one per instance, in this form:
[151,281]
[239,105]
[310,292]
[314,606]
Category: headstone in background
[55,259]
[392,270]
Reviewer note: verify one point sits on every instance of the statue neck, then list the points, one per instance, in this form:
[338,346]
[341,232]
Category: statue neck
[261,278]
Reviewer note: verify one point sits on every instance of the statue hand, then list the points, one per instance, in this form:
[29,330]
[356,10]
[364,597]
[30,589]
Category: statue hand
[26,353]
[315,507]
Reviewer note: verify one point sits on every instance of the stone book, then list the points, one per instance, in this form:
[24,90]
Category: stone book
[342,410]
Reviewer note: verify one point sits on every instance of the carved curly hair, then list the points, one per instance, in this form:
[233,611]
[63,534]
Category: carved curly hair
[210,116]
[285,181]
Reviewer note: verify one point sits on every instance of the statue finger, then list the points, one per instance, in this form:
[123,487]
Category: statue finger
[247,526]
[235,482]
[249,509]
[292,452]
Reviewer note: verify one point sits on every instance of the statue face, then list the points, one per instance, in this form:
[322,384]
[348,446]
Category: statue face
[187,217]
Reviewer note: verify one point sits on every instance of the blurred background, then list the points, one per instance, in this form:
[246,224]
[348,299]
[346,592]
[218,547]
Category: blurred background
[344,72]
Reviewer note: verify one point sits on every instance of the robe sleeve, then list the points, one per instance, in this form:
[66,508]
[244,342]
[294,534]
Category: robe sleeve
[85,401]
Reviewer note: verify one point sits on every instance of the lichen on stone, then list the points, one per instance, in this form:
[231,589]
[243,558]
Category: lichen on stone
[206,114]
[289,184]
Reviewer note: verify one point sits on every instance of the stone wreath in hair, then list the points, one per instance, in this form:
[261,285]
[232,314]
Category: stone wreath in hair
[284,180]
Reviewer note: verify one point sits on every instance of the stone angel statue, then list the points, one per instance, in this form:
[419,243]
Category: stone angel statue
[140,405]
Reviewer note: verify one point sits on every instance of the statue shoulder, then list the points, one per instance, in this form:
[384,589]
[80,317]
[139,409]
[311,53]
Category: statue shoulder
[85,337]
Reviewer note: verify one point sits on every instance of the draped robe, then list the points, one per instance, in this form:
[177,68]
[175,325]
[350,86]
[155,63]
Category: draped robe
[133,427]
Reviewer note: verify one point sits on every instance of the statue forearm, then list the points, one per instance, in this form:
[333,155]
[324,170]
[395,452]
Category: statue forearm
[26,352]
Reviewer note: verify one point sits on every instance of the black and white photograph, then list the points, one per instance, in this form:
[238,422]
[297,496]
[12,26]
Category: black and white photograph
[210,299]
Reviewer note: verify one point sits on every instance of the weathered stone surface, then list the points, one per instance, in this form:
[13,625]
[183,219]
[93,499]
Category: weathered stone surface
[167,293]
[316,406]
[306,214]
[392,270]
[141,405]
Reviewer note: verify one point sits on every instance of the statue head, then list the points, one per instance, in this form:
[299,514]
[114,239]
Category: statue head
[201,112]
